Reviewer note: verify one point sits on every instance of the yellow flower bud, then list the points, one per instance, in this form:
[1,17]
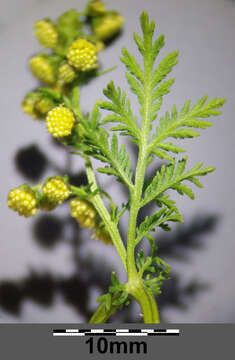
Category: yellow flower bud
[46,33]
[82,55]
[103,235]
[108,26]
[23,201]
[84,212]
[60,121]
[56,190]
[96,7]
[27,105]
[42,69]
[66,74]
[43,105]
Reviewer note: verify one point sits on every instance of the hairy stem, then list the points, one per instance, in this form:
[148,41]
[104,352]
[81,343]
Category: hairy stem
[96,200]
[140,169]
[104,214]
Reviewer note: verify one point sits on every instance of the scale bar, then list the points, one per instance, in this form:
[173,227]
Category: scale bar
[116,332]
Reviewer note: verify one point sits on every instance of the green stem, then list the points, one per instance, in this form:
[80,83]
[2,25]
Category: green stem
[134,209]
[101,315]
[140,169]
[147,303]
[104,214]
[135,284]
[141,295]
[106,71]
[96,200]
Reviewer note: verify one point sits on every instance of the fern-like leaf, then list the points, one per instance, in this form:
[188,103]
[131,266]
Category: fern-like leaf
[147,83]
[95,143]
[120,165]
[160,218]
[180,125]
[171,177]
[120,107]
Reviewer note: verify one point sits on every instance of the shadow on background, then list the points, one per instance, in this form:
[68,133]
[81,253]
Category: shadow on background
[49,230]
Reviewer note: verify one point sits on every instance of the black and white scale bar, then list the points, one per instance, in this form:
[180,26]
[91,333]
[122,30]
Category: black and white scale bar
[116,332]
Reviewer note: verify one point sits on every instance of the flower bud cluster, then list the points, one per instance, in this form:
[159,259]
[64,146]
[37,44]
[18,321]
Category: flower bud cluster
[73,53]
[26,200]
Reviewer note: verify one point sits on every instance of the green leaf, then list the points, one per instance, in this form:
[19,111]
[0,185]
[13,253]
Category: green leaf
[95,142]
[179,124]
[164,200]
[120,107]
[163,155]
[121,299]
[116,296]
[171,147]
[159,218]
[114,279]
[136,88]
[52,94]
[171,177]
[163,89]
[132,65]
[146,82]
[153,270]
[120,159]
[117,216]
[106,299]
[164,68]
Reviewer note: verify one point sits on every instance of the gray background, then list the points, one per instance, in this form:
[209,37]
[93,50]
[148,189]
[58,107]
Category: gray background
[203,31]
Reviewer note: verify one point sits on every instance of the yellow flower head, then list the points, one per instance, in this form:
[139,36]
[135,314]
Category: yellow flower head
[42,69]
[82,55]
[66,74]
[46,33]
[108,26]
[60,121]
[84,212]
[23,201]
[56,190]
